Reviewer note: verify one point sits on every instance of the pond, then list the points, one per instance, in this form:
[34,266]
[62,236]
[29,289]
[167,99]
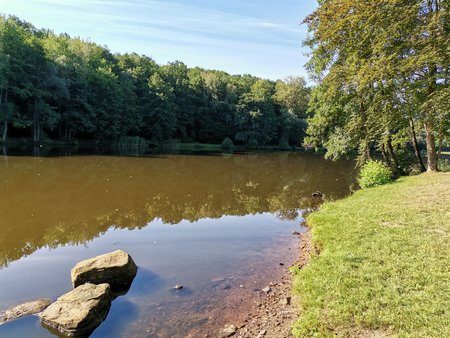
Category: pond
[218,224]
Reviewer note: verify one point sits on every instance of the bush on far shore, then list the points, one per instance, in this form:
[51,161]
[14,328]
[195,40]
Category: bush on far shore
[227,143]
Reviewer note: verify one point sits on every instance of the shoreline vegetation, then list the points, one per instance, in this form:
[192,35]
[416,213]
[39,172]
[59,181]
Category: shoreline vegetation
[58,87]
[380,264]
[144,145]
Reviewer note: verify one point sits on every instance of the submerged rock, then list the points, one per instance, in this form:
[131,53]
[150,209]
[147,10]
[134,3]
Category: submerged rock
[116,268]
[80,311]
[25,309]
[218,280]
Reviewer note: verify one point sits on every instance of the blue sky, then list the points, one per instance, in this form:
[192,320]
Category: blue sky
[259,37]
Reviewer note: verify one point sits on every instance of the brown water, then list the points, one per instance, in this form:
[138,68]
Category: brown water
[217,224]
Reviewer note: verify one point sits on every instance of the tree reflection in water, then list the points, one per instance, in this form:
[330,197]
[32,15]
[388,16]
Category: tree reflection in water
[52,201]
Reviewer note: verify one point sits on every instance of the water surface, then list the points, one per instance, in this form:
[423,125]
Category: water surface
[217,224]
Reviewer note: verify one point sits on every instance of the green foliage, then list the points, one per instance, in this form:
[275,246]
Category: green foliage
[283,144]
[293,94]
[374,173]
[444,164]
[405,161]
[68,88]
[383,75]
[132,142]
[382,270]
[227,143]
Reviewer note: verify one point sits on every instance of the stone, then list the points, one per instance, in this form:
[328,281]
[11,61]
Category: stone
[224,287]
[262,333]
[80,311]
[25,309]
[228,331]
[267,289]
[218,280]
[116,268]
[317,194]
[286,301]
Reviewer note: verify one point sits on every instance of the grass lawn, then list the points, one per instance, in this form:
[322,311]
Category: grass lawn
[384,263]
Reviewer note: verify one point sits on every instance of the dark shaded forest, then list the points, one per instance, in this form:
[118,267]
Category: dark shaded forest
[56,87]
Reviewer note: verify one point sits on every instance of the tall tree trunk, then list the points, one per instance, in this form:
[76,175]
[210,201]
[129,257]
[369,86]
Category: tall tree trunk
[368,153]
[431,148]
[393,161]
[440,136]
[4,105]
[36,151]
[5,130]
[36,126]
[385,157]
[432,161]
[416,146]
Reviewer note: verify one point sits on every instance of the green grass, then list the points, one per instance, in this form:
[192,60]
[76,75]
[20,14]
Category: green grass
[384,263]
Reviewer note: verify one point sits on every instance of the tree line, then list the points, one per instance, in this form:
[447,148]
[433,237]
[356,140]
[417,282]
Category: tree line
[62,88]
[382,89]
[383,70]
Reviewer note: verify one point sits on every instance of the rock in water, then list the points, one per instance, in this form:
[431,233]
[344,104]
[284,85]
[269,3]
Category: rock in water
[317,194]
[116,268]
[25,309]
[80,311]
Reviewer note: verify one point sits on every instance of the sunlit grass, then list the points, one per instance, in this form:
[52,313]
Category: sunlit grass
[384,263]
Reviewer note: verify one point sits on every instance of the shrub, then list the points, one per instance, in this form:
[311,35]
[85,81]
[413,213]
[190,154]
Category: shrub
[374,173]
[444,164]
[227,143]
[252,143]
[283,144]
[405,161]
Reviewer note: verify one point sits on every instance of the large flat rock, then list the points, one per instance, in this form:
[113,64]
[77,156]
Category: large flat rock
[116,268]
[80,311]
[25,309]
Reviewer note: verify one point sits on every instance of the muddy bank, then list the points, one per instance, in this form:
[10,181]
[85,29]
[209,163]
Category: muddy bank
[242,303]
[278,311]
[245,308]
